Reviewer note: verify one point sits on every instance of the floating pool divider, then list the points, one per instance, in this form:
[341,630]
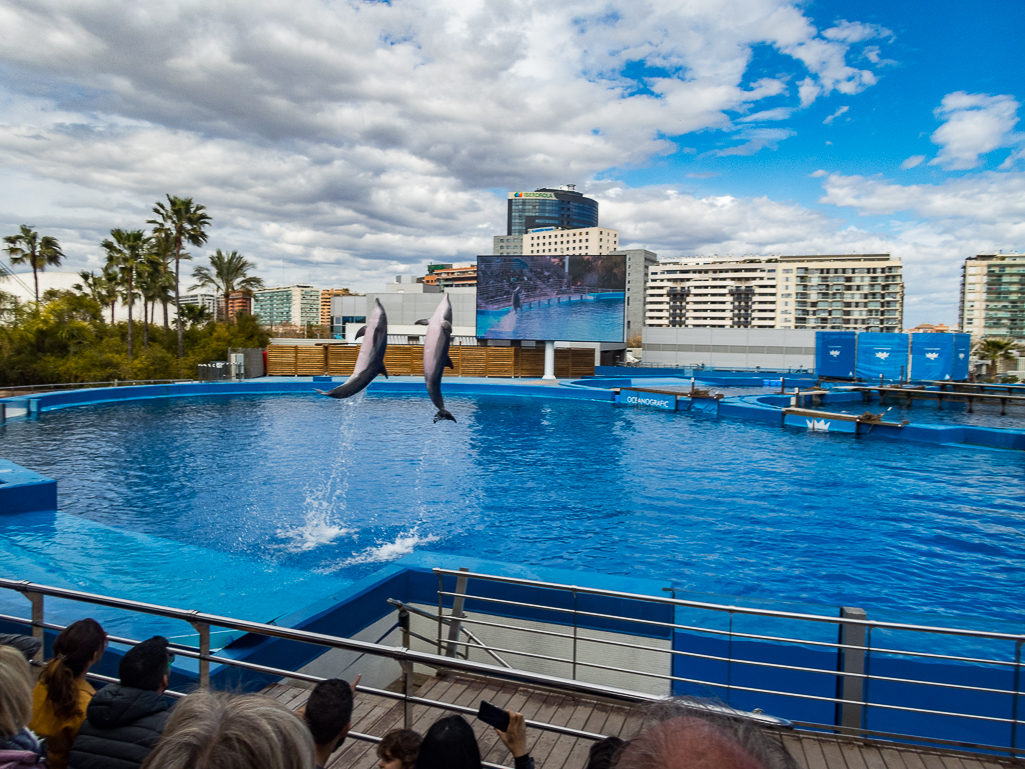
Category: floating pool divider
[699,400]
[830,422]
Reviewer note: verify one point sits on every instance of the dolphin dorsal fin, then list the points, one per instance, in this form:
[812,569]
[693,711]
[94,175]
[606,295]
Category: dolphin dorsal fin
[361,332]
[422,322]
[448,362]
[446,325]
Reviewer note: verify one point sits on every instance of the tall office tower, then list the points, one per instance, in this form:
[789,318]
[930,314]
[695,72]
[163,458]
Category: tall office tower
[993,295]
[563,208]
[854,292]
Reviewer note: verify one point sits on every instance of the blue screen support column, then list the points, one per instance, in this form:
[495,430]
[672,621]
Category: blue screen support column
[835,353]
[962,351]
[932,356]
[882,355]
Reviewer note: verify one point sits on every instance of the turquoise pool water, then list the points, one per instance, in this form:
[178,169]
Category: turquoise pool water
[258,505]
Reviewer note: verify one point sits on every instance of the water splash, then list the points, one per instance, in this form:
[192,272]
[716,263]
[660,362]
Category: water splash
[404,544]
[326,514]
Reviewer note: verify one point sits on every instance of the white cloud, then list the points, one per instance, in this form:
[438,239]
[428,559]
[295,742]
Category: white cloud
[835,115]
[974,125]
[757,139]
[912,162]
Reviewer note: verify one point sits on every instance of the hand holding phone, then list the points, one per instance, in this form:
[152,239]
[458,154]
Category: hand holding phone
[493,716]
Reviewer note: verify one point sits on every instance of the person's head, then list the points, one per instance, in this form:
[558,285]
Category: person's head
[449,744]
[692,734]
[146,665]
[398,749]
[76,648]
[15,692]
[328,711]
[214,730]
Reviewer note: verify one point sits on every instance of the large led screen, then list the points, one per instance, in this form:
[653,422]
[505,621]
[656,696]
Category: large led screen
[567,298]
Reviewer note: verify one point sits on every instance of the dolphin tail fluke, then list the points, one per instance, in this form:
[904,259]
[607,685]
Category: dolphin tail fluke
[443,414]
[322,392]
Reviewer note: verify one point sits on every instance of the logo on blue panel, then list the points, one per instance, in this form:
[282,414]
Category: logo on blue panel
[835,353]
[882,355]
[932,355]
[818,425]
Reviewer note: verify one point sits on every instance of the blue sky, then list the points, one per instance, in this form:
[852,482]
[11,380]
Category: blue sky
[344,142]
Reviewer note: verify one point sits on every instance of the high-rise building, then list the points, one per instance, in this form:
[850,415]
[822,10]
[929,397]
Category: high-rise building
[238,301]
[209,301]
[507,244]
[856,292]
[544,207]
[325,303]
[295,305]
[993,295]
[638,264]
[455,277]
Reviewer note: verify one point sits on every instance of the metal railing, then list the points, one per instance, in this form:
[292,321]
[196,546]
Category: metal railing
[854,649]
[406,658]
[14,391]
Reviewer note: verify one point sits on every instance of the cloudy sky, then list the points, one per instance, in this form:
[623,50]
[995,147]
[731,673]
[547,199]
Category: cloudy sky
[341,142]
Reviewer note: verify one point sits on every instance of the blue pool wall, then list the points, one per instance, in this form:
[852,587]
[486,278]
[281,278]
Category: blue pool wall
[25,491]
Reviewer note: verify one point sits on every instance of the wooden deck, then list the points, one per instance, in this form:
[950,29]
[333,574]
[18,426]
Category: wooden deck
[377,716]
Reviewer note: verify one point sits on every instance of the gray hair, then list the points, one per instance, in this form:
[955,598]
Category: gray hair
[15,691]
[215,730]
[699,734]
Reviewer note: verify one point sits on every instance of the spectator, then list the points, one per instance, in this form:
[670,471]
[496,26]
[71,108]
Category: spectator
[214,730]
[62,694]
[691,734]
[327,713]
[124,721]
[19,748]
[398,749]
[451,744]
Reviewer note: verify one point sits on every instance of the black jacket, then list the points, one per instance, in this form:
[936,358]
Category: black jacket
[121,727]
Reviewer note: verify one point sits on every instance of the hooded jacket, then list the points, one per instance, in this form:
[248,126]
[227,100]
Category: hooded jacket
[122,725]
[21,751]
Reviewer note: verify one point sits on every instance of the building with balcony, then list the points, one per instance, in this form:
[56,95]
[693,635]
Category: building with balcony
[854,292]
[325,303]
[238,302]
[993,295]
[448,277]
[295,305]
[555,240]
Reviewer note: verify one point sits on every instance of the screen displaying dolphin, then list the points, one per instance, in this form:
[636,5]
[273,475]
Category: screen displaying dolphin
[439,335]
[370,361]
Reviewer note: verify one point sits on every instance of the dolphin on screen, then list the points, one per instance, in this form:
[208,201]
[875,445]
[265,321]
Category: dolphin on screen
[370,361]
[439,334]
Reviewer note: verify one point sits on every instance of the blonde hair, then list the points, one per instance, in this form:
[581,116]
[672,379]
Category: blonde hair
[215,730]
[15,692]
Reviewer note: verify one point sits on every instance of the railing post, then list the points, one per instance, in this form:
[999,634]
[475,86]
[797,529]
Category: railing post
[36,599]
[3,413]
[1015,722]
[729,661]
[457,612]
[441,608]
[407,692]
[204,653]
[851,687]
[575,626]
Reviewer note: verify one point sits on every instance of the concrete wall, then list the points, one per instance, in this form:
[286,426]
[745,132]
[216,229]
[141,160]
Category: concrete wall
[771,348]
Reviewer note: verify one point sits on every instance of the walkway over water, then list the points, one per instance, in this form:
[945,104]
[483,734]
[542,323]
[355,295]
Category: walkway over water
[375,717]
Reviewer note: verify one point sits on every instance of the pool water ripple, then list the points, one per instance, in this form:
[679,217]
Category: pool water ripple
[306,488]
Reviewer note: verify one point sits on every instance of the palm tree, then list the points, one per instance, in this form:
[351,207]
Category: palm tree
[100,288]
[154,283]
[163,248]
[28,248]
[181,221]
[995,349]
[229,274]
[127,253]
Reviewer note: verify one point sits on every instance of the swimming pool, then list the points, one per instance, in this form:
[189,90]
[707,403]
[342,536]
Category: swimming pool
[239,504]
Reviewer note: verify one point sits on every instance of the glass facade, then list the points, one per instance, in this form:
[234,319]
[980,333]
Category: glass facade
[550,208]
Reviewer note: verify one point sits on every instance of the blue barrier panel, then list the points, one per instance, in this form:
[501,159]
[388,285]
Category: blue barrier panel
[820,425]
[931,356]
[25,491]
[962,350]
[883,355]
[653,400]
[704,406]
[835,353]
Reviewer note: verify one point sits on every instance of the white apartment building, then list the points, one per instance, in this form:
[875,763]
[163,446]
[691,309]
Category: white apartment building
[863,292]
[298,304]
[587,240]
[993,295]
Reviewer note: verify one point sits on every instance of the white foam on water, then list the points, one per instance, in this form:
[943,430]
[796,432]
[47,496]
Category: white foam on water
[326,516]
[404,544]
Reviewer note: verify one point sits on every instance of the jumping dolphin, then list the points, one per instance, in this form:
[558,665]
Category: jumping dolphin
[370,361]
[517,301]
[439,334]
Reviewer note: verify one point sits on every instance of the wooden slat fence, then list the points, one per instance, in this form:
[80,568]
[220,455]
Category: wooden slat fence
[407,360]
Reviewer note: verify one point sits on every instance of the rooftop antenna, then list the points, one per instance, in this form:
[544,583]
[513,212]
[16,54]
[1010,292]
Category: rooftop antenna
[571,187]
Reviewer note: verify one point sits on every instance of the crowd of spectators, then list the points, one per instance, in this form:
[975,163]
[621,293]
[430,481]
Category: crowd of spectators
[63,722]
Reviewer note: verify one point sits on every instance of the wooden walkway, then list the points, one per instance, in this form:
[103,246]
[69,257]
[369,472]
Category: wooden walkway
[377,716]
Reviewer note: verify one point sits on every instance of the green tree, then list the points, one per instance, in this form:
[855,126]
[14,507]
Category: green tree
[182,221]
[195,314]
[100,288]
[163,247]
[227,273]
[128,254]
[40,252]
[995,349]
[155,285]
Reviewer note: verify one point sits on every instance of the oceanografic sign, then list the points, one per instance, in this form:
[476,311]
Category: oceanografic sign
[652,400]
